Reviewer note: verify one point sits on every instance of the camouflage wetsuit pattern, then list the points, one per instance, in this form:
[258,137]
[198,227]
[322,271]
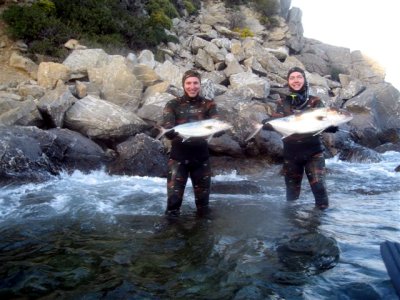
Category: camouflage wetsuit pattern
[191,157]
[303,155]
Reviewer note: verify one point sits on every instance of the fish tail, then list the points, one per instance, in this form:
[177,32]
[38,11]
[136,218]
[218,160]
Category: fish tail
[319,132]
[257,130]
[162,131]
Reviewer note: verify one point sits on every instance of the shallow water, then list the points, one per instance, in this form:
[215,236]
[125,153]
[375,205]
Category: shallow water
[105,237]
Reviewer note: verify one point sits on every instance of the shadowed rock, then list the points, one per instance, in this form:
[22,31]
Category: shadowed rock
[305,255]
[22,158]
[140,155]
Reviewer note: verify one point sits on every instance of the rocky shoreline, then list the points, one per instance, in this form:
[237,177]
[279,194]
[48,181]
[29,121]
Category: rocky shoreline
[96,110]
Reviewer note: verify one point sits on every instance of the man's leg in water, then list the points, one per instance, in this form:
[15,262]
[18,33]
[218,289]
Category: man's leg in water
[316,171]
[176,182]
[200,174]
[293,172]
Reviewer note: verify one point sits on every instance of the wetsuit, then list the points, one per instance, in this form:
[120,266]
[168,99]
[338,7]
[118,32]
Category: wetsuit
[303,154]
[191,157]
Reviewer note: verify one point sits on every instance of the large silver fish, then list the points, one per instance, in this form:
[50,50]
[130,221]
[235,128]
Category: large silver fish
[203,129]
[310,122]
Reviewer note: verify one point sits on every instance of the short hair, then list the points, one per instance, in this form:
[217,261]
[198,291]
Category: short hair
[190,73]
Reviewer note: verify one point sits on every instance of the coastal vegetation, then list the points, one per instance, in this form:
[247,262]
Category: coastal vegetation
[45,25]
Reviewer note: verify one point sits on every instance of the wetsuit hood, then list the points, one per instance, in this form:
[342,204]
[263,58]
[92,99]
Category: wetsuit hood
[298,99]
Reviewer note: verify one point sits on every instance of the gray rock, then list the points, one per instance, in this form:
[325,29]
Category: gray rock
[54,104]
[140,155]
[100,119]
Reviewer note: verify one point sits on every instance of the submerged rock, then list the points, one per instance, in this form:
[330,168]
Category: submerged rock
[236,187]
[305,255]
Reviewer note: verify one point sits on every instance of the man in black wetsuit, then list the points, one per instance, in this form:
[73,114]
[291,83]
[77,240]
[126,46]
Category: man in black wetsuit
[302,154]
[189,157]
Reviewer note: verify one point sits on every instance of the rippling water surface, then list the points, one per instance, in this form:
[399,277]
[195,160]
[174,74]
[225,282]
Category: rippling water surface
[105,237]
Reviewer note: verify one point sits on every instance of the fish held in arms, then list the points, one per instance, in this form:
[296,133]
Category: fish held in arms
[199,129]
[309,122]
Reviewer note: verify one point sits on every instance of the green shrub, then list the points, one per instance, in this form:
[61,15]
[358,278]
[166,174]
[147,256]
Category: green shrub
[46,5]
[91,16]
[159,19]
[46,47]
[37,26]
[244,32]
[47,24]
[269,22]
[26,22]
[274,22]
[266,7]
[233,3]
[190,7]
[162,5]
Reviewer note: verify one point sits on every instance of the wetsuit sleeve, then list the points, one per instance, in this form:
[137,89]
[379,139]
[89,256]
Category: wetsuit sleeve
[212,109]
[169,115]
[279,111]
[316,102]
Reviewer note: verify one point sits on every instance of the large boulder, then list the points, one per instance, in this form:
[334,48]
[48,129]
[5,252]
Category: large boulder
[99,119]
[23,113]
[366,69]
[80,61]
[49,73]
[140,155]
[73,151]
[355,153]
[117,82]
[54,104]
[258,85]
[152,109]
[30,154]
[376,114]
[296,40]
[22,155]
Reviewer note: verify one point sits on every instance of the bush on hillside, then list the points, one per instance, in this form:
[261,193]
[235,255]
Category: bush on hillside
[47,24]
[269,22]
[266,7]
[244,32]
[36,25]
[233,3]
[164,6]
[268,10]
[190,7]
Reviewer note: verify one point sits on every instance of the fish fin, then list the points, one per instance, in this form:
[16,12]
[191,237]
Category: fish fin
[318,132]
[162,131]
[258,129]
[286,136]
[209,138]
